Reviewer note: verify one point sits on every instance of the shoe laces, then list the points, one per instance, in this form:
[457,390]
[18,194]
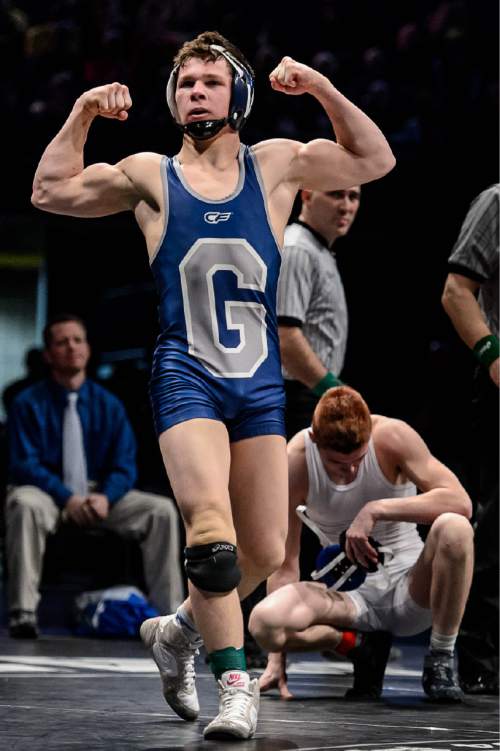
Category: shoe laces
[187,672]
[442,668]
[234,702]
[184,657]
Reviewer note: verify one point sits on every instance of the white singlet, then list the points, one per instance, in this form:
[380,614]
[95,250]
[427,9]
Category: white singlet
[333,507]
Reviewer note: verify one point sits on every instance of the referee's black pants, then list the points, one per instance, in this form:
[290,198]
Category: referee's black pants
[477,644]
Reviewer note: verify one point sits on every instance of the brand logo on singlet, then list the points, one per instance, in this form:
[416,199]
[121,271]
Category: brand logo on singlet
[213,217]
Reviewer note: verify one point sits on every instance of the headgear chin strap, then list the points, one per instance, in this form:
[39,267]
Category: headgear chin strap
[242,93]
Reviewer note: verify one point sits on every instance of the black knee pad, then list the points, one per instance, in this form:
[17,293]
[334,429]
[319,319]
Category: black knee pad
[213,567]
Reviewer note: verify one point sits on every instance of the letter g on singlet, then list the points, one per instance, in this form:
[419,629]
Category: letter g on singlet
[205,258]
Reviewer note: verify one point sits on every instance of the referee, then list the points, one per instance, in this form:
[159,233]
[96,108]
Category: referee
[312,311]
[470,298]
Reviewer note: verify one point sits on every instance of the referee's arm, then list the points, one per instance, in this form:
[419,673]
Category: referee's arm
[298,357]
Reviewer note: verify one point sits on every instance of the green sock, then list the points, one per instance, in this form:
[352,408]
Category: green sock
[229,658]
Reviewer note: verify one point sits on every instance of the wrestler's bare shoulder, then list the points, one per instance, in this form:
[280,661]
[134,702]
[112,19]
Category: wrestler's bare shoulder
[392,436]
[275,159]
[276,146]
[385,426]
[276,153]
[297,444]
[297,470]
[141,164]
[143,170]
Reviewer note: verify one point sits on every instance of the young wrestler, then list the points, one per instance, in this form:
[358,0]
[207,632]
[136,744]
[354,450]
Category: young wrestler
[213,219]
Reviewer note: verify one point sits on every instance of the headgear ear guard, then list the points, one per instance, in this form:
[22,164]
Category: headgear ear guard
[242,93]
[333,567]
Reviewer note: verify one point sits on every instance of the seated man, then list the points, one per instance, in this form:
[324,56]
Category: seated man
[72,460]
[360,472]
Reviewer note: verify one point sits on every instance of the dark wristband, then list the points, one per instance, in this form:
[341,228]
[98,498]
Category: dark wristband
[487,350]
[328,381]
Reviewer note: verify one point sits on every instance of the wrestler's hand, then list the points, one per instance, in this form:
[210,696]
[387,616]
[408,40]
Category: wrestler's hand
[291,77]
[357,547]
[111,100]
[99,505]
[274,676]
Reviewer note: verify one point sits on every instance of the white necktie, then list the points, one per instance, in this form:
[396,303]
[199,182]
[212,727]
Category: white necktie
[73,459]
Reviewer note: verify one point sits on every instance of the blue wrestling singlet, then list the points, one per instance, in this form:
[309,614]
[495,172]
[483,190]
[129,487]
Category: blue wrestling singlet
[216,271]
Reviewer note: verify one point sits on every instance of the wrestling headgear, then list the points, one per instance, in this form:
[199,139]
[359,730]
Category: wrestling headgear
[333,567]
[240,104]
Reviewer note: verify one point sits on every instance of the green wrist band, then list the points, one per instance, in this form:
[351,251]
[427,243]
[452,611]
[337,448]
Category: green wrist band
[327,382]
[487,350]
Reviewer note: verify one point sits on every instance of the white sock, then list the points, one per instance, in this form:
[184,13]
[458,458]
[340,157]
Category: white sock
[442,643]
[186,624]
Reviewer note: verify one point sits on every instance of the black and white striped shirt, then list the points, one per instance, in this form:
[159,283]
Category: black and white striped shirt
[311,295]
[476,252]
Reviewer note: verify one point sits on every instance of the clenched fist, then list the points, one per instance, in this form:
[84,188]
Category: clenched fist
[112,100]
[291,77]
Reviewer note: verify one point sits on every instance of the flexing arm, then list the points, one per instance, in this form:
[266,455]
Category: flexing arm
[441,491]
[62,185]
[460,303]
[361,153]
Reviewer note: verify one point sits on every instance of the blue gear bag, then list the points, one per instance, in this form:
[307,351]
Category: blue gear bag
[114,612]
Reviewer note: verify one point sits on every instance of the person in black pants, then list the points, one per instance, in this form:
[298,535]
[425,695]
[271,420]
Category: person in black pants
[470,298]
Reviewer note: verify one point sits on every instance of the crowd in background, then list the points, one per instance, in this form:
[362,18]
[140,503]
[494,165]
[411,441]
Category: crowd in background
[426,71]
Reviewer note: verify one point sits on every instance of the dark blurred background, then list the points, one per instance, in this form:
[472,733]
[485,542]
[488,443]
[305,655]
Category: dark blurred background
[426,71]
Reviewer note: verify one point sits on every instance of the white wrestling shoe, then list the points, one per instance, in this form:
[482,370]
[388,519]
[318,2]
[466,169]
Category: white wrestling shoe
[238,705]
[174,655]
